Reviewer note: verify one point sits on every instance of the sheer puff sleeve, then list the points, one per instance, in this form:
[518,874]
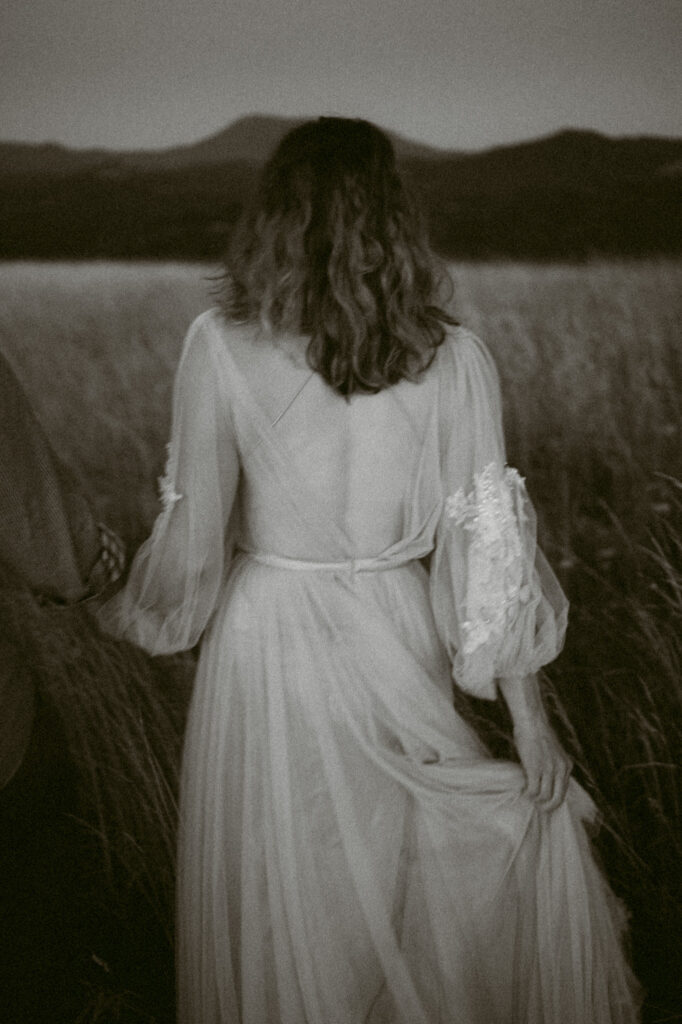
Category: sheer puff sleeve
[177,573]
[499,609]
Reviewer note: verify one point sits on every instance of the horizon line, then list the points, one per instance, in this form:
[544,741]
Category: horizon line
[395,134]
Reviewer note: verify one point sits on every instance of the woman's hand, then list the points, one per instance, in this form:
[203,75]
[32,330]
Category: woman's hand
[546,764]
[111,561]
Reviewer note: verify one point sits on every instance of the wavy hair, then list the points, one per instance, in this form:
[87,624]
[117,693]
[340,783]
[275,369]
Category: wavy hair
[333,247]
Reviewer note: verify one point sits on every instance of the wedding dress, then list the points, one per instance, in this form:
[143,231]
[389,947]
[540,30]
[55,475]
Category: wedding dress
[349,851]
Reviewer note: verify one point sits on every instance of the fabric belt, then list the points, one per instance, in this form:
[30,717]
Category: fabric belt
[351,567]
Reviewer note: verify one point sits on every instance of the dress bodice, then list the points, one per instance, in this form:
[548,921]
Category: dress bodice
[362,470]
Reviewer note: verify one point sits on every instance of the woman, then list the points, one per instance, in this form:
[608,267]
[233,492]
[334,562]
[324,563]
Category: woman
[50,544]
[349,850]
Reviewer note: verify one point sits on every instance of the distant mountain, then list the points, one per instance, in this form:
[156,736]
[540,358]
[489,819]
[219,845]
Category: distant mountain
[568,158]
[47,158]
[250,139]
[573,194]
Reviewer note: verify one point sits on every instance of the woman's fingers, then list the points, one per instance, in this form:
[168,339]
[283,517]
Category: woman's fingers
[546,766]
[546,784]
[555,784]
[563,781]
[111,561]
[112,552]
[533,782]
[532,768]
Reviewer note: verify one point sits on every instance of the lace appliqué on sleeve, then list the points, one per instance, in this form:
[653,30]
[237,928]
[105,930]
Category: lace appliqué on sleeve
[169,496]
[492,513]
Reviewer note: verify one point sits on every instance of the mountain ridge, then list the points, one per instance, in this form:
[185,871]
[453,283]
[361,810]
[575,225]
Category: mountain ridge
[253,137]
[249,139]
[571,194]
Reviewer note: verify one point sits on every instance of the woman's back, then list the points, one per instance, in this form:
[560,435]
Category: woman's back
[360,456]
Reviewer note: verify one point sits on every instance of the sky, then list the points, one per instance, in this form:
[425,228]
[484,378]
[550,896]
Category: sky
[460,74]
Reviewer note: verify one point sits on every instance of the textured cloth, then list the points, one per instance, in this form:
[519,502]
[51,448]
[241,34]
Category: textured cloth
[48,536]
[48,544]
[349,850]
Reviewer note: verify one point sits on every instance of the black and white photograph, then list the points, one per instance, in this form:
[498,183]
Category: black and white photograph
[340,512]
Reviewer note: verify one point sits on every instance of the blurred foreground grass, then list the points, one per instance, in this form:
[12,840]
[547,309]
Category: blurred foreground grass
[591,362]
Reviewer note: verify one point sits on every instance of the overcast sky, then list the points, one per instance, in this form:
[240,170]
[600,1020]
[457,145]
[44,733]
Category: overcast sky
[455,73]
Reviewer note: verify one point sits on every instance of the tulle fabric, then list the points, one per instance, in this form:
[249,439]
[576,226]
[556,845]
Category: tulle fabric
[499,607]
[349,851]
[177,573]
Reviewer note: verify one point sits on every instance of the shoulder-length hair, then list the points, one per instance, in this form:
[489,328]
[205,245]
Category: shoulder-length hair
[333,247]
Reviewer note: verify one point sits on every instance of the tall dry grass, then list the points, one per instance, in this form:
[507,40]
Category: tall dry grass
[591,363]
[591,368]
[96,347]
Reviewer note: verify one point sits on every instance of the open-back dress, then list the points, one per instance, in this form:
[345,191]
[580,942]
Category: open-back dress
[349,850]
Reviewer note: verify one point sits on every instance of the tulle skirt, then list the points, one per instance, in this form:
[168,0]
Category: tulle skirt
[349,851]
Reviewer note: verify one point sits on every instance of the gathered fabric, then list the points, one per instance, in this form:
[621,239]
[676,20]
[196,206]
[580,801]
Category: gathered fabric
[349,850]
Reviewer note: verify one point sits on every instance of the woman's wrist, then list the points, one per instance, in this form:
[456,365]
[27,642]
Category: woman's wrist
[522,697]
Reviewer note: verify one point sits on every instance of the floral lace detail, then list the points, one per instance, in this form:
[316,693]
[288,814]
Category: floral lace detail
[169,496]
[492,513]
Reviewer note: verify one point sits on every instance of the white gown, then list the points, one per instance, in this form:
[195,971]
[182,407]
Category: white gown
[349,851]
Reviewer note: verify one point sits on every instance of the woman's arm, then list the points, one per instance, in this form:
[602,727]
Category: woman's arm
[546,764]
[177,573]
[499,609]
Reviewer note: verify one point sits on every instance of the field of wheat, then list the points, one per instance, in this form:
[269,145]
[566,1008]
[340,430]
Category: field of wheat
[591,363]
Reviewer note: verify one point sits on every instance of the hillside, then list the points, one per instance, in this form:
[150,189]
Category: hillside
[249,139]
[570,195]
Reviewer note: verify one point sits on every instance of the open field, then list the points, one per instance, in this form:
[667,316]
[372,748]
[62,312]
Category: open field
[591,362]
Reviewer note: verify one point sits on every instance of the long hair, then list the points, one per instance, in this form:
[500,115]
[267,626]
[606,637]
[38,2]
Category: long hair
[333,247]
